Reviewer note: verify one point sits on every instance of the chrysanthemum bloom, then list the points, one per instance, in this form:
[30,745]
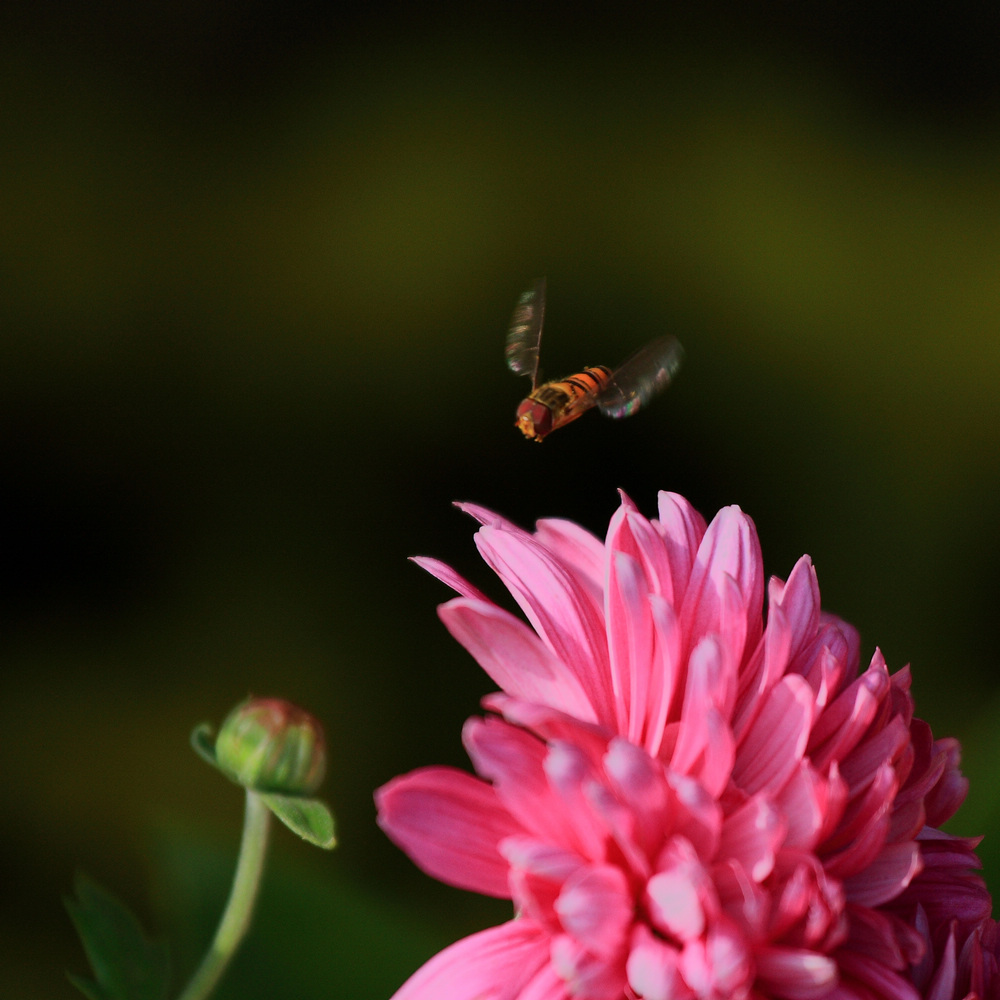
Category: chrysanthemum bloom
[681,801]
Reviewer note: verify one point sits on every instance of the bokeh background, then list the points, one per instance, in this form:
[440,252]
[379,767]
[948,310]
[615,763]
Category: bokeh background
[256,263]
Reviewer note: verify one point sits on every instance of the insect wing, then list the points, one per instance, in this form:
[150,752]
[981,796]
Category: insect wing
[636,381]
[525,333]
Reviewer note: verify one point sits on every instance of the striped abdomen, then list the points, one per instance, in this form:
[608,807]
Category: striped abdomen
[557,403]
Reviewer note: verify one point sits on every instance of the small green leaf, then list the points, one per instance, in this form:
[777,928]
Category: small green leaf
[127,966]
[309,818]
[203,741]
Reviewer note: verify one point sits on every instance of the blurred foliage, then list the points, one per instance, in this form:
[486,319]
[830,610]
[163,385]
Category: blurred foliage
[257,266]
[126,965]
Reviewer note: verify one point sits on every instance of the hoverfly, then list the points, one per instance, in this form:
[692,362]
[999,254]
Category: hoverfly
[617,393]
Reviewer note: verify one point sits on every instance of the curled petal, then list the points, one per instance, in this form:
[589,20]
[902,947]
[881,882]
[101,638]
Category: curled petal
[729,551]
[798,599]
[632,534]
[486,516]
[448,576]
[682,528]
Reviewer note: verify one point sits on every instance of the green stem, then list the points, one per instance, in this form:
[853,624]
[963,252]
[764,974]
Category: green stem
[236,918]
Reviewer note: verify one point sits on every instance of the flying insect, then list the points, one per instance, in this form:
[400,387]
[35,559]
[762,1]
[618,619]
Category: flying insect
[617,392]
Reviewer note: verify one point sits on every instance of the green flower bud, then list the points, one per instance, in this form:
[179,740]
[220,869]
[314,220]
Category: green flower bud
[270,745]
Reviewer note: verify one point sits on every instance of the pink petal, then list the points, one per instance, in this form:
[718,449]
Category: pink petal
[733,626]
[595,907]
[729,551]
[836,802]
[515,761]
[792,620]
[875,934]
[546,984]
[495,964]
[799,601]
[861,765]
[632,534]
[752,834]
[943,986]
[678,895]
[559,607]
[718,965]
[876,980]
[704,746]
[830,660]
[587,976]
[698,817]
[622,826]
[514,656]
[864,828]
[450,824]
[577,548]
[847,718]
[548,723]
[652,968]
[949,793]
[555,864]
[762,670]
[639,783]
[449,577]
[682,528]
[537,873]
[927,766]
[810,904]
[630,643]
[804,801]
[794,973]
[665,672]
[716,766]
[949,887]
[573,778]
[886,877]
[486,516]
[774,744]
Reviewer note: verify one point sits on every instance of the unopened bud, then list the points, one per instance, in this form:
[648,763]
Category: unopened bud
[270,745]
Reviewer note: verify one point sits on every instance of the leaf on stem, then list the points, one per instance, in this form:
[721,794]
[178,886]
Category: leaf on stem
[126,964]
[309,818]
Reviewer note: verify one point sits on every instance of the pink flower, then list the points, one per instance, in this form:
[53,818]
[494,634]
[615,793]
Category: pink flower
[680,801]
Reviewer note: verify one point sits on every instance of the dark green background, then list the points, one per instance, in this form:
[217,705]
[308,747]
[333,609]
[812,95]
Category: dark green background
[256,265]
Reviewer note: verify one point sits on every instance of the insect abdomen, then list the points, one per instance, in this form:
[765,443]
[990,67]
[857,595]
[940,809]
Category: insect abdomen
[557,403]
[589,382]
